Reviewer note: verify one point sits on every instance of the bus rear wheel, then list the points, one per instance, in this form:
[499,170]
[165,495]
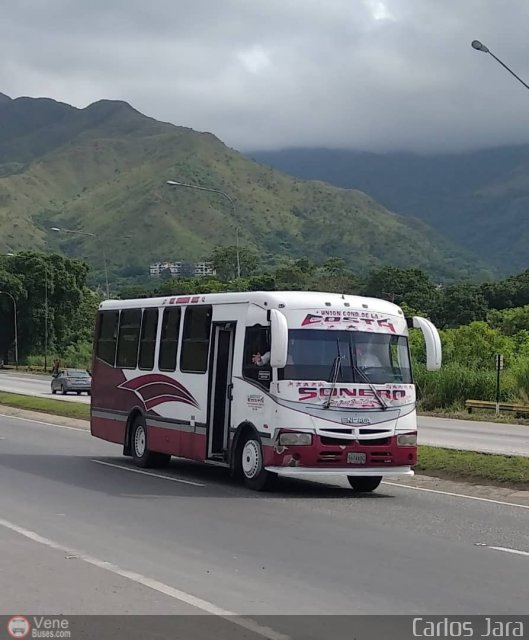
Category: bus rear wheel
[255,476]
[364,484]
[140,452]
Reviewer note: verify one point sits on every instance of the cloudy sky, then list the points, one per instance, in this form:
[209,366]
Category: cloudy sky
[365,74]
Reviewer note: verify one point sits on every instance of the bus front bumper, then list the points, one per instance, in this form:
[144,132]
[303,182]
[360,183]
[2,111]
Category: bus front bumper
[333,471]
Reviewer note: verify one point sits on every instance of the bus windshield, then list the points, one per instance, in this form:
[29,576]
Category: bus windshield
[377,358]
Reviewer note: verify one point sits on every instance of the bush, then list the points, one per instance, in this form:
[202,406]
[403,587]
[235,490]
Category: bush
[475,346]
[454,383]
[520,376]
[77,356]
[37,361]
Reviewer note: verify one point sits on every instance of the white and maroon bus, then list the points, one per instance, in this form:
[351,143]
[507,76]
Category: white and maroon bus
[265,383]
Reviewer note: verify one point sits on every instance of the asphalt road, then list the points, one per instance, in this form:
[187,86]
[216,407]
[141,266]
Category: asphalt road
[83,531]
[488,437]
[470,435]
[35,385]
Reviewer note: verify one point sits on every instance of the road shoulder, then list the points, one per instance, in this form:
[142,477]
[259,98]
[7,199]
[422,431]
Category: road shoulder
[473,490]
[47,418]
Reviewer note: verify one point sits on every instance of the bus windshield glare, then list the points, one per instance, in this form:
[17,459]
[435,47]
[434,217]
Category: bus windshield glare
[377,358]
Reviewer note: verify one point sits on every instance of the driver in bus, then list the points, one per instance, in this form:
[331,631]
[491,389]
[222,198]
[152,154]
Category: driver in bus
[366,356]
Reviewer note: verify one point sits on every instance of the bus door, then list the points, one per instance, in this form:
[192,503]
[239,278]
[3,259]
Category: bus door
[220,389]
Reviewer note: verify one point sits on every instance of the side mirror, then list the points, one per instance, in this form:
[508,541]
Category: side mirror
[434,356]
[279,346]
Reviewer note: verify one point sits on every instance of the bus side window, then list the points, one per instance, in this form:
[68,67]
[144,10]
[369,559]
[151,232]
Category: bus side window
[107,336]
[257,342]
[195,340]
[149,327]
[169,339]
[128,338]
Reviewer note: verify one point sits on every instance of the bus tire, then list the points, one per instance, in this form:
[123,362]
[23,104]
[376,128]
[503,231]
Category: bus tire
[255,476]
[140,450]
[364,484]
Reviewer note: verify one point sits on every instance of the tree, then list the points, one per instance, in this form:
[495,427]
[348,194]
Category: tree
[499,295]
[294,275]
[224,261]
[12,285]
[461,304]
[130,291]
[334,267]
[40,276]
[264,282]
[510,321]
[410,286]
[475,345]
[333,276]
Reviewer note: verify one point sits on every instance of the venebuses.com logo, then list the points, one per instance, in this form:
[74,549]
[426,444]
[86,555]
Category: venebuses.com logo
[18,627]
[39,627]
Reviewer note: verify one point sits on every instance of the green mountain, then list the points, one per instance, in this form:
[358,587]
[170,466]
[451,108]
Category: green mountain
[102,170]
[479,200]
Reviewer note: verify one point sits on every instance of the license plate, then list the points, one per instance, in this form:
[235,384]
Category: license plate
[356,458]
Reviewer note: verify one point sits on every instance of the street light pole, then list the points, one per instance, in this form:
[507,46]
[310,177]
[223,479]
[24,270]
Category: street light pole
[173,183]
[238,258]
[93,235]
[16,330]
[106,272]
[45,317]
[479,46]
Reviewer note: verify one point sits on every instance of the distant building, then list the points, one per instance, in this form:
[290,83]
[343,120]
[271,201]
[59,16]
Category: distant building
[182,269]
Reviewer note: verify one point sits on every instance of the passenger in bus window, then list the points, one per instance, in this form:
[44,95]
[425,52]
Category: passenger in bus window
[261,360]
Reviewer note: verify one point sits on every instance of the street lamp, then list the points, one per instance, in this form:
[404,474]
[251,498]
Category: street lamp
[174,183]
[479,46]
[93,235]
[16,332]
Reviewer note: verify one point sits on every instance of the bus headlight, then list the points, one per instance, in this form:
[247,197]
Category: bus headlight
[294,439]
[407,440]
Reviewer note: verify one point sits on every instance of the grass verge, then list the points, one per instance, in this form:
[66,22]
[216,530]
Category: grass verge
[64,408]
[471,466]
[475,416]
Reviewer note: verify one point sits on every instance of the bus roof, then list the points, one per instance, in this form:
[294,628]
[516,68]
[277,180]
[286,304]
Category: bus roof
[264,299]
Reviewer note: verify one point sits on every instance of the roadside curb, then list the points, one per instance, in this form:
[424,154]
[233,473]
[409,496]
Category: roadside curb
[44,417]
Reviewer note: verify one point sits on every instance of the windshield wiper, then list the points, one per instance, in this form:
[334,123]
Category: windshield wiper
[366,379]
[337,366]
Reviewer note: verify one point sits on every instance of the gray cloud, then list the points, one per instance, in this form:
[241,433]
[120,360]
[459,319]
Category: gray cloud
[366,74]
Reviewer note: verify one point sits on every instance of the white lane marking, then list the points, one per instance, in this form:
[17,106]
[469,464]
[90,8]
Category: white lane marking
[392,484]
[508,550]
[172,592]
[47,424]
[148,473]
[458,495]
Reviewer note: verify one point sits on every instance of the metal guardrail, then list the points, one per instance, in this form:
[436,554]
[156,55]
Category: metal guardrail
[521,409]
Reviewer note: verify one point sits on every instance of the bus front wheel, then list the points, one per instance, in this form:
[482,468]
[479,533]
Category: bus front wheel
[140,452]
[364,484]
[254,474]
